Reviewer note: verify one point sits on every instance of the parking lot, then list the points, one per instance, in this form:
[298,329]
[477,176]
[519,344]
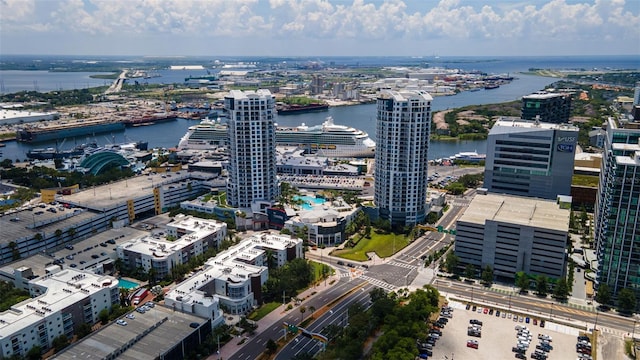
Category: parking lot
[498,337]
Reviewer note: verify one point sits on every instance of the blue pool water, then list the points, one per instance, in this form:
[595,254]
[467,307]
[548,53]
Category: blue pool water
[309,200]
[127,284]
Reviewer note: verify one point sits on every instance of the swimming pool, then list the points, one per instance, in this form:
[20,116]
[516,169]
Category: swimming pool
[308,200]
[127,284]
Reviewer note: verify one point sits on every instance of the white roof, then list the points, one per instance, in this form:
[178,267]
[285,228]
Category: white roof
[517,210]
[526,124]
[63,289]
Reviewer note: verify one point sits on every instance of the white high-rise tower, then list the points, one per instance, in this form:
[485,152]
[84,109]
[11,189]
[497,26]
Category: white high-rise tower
[402,132]
[252,179]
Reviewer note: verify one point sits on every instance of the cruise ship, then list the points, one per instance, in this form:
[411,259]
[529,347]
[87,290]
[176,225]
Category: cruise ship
[327,139]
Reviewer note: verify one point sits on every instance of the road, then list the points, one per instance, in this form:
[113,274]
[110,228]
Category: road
[257,344]
[337,316]
[399,271]
[531,304]
[116,87]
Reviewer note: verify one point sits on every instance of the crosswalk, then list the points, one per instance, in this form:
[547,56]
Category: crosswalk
[378,283]
[400,264]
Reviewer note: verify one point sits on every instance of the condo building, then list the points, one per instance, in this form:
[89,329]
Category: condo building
[530,158]
[403,128]
[513,234]
[234,278]
[617,212]
[547,107]
[252,179]
[61,301]
[193,236]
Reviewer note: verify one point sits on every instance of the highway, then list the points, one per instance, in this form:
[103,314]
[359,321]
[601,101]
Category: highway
[257,344]
[337,316]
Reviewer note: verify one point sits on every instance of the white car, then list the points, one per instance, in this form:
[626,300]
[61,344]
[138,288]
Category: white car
[130,316]
[121,322]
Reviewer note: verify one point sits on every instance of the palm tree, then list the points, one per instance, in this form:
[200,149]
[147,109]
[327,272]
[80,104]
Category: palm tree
[303,309]
[124,296]
[71,232]
[312,309]
[58,234]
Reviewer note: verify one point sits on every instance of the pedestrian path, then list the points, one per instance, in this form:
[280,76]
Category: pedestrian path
[379,283]
[401,264]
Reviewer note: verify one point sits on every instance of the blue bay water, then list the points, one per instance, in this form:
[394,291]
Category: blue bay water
[361,116]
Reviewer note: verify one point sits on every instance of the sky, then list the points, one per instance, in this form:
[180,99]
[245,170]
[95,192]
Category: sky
[320,27]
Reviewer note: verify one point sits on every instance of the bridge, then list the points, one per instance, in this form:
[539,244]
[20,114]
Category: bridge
[116,87]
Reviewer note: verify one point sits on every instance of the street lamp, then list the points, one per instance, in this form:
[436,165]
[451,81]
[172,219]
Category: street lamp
[595,324]
[509,302]
[551,312]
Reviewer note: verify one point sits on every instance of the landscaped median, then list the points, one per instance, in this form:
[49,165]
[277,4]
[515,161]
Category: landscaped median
[384,245]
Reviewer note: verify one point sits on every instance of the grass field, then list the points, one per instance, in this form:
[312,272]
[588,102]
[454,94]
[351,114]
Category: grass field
[263,310]
[317,270]
[381,244]
[585,180]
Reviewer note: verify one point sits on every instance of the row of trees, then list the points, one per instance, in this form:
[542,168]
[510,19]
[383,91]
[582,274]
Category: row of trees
[40,177]
[627,301]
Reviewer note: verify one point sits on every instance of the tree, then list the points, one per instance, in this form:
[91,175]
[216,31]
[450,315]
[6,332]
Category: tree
[627,301]
[15,253]
[451,262]
[469,271]
[35,353]
[487,276]
[542,286]
[522,282]
[562,290]
[103,315]
[603,296]
[312,309]
[58,234]
[83,330]
[303,309]
[60,343]
[272,347]
[71,232]
[37,237]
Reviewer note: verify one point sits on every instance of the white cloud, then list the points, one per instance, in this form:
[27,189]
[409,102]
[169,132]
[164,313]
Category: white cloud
[335,20]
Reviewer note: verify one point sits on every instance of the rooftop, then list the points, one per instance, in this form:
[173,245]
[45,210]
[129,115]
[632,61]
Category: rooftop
[517,210]
[116,193]
[545,95]
[63,289]
[405,95]
[503,124]
[172,327]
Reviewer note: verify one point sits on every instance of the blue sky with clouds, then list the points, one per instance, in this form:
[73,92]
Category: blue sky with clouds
[320,27]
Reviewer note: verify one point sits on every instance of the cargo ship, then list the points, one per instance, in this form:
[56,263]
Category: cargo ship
[67,131]
[297,109]
[150,119]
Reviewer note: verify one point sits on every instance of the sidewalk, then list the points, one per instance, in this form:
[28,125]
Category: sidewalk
[276,315]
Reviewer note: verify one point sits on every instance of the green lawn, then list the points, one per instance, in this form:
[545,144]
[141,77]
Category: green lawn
[381,244]
[317,270]
[585,180]
[263,310]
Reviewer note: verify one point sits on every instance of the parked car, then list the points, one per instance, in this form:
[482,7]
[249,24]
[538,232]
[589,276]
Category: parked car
[472,344]
[130,316]
[121,322]
[475,322]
